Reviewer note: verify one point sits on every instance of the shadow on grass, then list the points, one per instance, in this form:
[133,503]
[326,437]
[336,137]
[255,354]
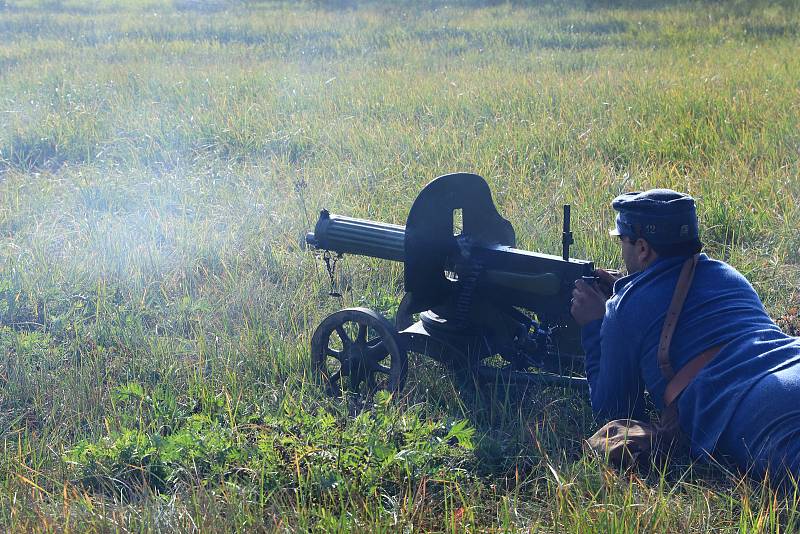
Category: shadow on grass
[524,431]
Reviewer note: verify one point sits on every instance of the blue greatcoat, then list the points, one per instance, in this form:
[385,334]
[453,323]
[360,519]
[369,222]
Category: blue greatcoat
[723,410]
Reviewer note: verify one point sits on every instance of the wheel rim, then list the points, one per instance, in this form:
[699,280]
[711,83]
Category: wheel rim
[356,349]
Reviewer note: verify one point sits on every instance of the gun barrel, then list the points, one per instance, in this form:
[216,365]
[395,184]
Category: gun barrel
[347,235]
[522,276]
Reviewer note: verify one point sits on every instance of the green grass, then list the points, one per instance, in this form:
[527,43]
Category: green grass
[160,163]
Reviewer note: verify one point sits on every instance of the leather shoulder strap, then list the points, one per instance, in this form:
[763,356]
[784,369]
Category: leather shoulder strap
[674,311]
[687,373]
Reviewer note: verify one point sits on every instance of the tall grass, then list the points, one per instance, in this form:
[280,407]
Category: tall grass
[160,163]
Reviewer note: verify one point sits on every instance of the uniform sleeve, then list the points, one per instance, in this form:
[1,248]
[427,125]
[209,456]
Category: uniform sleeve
[612,369]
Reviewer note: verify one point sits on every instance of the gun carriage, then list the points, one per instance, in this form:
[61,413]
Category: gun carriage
[485,307]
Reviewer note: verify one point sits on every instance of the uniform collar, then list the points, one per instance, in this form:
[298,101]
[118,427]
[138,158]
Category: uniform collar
[659,264]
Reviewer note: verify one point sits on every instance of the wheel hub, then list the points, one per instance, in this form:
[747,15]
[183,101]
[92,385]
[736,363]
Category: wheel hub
[355,361]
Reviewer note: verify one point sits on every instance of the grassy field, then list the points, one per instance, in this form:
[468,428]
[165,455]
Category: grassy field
[160,163]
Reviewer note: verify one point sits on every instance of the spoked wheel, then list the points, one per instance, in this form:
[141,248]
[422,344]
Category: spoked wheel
[356,350]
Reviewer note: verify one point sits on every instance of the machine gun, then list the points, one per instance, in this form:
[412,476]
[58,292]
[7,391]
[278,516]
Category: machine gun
[484,306]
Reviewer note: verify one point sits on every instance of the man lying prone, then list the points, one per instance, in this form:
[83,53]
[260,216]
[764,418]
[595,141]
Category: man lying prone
[692,332]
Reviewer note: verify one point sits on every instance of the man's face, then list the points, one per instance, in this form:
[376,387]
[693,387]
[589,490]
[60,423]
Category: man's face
[630,254]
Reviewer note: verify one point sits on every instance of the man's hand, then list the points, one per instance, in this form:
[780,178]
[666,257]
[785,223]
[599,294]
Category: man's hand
[588,302]
[606,280]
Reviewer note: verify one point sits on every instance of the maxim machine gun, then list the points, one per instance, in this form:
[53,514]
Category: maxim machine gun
[484,306]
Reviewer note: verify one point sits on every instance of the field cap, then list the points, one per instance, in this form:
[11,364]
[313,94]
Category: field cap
[659,216]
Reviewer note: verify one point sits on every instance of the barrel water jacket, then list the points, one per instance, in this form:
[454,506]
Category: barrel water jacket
[722,308]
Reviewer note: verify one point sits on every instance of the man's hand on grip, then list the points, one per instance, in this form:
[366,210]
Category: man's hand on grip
[588,302]
[605,280]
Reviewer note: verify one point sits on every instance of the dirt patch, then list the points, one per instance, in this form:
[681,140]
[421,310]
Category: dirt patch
[790,321]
